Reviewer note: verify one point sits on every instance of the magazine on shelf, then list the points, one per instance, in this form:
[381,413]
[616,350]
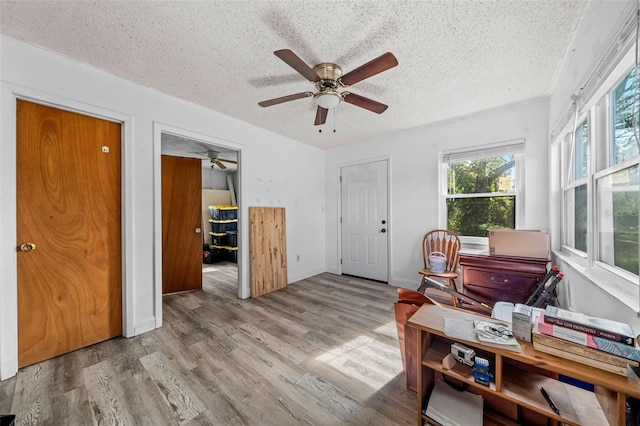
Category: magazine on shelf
[448,406]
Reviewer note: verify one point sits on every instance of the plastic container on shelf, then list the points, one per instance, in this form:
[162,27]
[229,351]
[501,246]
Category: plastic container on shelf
[223,226]
[232,239]
[224,212]
[218,239]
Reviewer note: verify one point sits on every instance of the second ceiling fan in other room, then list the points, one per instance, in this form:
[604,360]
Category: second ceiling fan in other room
[331,85]
[217,161]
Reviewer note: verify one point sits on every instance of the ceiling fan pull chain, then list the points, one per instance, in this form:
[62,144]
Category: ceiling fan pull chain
[334,121]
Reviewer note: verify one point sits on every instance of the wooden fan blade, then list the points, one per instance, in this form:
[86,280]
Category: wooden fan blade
[287,98]
[297,64]
[227,161]
[365,103]
[371,68]
[219,164]
[321,116]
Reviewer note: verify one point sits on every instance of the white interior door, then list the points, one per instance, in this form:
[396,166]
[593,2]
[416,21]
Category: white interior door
[365,220]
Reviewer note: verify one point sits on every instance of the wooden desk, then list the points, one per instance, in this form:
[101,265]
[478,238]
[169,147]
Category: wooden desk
[492,279]
[514,395]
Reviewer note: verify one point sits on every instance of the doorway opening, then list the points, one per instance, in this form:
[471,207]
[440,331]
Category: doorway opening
[214,176]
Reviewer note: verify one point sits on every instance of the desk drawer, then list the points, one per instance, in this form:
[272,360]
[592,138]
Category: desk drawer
[491,287]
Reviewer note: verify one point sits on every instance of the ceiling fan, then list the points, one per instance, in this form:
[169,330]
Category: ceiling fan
[216,160]
[331,85]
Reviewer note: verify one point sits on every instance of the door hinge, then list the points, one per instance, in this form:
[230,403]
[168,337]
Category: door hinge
[341,261]
[340,220]
[340,178]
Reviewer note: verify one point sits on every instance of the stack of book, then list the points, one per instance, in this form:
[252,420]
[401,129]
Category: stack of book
[598,342]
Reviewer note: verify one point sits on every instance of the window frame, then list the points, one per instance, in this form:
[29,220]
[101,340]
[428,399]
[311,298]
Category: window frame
[519,146]
[598,111]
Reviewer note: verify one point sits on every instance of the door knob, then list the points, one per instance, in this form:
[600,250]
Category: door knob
[384,221]
[383,230]
[27,247]
[198,230]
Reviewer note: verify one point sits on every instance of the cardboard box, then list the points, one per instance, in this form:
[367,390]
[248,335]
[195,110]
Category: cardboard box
[519,243]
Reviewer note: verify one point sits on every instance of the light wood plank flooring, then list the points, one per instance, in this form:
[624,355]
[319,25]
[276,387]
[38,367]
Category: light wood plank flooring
[323,351]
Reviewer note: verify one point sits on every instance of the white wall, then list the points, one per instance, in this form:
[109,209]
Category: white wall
[597,30]
[299,186]
[214,179]
[414,175]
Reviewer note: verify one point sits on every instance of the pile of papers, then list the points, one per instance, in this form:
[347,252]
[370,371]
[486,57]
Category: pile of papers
[448,406]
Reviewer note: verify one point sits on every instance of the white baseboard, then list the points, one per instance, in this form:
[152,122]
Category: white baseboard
[305,274]
[144,326]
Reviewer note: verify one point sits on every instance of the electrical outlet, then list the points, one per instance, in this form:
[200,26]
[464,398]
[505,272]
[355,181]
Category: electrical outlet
[298,258]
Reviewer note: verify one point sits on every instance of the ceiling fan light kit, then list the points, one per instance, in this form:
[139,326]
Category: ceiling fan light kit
[331,85]
[328,99]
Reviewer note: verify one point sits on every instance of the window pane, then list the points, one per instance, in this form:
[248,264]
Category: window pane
[575,200]
[618,219]
[580,152]
[624,141]
[488,175]
[473,217]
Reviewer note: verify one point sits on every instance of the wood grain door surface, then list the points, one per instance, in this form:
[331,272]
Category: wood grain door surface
[268,249]
[181,216]
[69,206]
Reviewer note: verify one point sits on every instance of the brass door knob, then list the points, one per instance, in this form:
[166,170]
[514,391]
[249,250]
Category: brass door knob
[27,247]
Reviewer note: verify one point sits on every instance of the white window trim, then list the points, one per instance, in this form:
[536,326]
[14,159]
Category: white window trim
[467,153]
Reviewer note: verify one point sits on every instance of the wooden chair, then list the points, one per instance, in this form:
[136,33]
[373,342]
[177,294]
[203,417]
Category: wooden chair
[447,242]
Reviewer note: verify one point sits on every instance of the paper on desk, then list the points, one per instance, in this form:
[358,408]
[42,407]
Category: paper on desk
[463,330]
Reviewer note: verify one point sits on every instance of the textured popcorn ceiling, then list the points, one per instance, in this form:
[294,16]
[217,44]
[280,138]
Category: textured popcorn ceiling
[455,57]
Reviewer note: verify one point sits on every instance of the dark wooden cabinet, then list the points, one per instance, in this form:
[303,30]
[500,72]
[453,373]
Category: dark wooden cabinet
[492,279]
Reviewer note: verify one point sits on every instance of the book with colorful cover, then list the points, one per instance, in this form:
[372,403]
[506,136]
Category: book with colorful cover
[577,339]
[598,327]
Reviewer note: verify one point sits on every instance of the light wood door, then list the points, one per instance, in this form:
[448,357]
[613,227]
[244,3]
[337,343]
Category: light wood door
[365,220]
[181,224]
[69,207]
[268,249]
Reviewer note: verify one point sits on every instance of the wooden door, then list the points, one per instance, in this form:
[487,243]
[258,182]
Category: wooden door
[268,249]
[69,208]
[181,224]
[364,220]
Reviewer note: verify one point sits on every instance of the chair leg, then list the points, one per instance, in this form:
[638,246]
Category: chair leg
[454,300]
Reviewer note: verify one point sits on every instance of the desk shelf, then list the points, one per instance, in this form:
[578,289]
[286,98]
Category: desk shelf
[514,394]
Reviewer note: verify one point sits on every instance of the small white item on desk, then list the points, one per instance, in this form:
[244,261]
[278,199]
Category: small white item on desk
[521,322]
[502,311]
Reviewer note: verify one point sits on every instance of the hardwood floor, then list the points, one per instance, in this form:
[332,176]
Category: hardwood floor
[322,351]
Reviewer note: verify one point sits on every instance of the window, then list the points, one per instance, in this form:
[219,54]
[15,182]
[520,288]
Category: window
[600,179]
[482,187]
[575,192]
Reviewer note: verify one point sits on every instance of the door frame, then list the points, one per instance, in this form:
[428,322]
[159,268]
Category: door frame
[158,129]
[8,218]
[387,159]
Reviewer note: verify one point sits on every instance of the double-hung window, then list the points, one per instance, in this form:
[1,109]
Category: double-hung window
[599,179]
[575,190]
[481,189]
[616,184]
